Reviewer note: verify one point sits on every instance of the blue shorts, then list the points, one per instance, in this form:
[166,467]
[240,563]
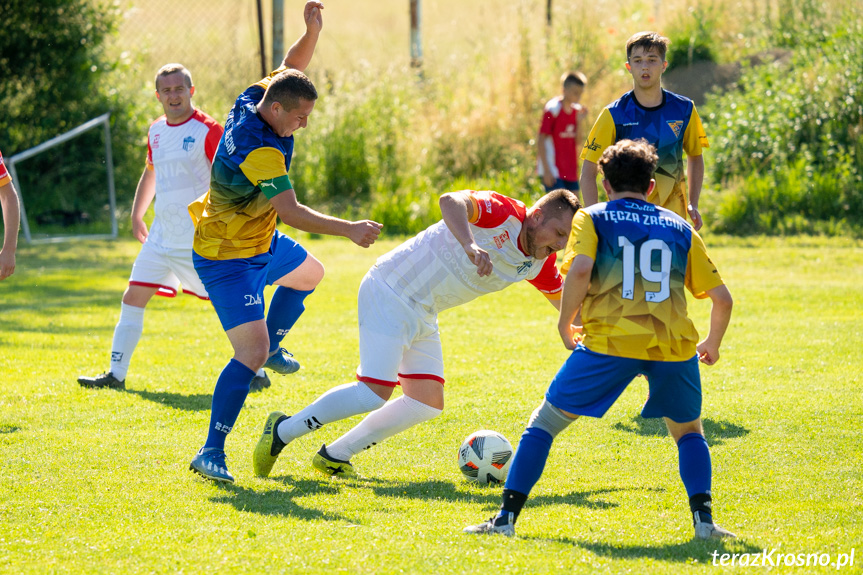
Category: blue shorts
[589,383]
[571,185]
[236,286]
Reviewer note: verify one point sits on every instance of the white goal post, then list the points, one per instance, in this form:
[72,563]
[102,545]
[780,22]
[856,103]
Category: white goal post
[104,120]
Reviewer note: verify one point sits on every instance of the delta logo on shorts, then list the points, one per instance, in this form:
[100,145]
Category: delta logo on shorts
[188,143]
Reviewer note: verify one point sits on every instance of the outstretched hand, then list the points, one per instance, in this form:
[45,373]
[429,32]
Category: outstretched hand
[365,232]
[480,258]
[312,16]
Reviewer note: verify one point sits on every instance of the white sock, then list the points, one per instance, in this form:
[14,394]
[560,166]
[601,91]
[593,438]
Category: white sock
[336,404]
[127,333]
[261,373]
[395,417]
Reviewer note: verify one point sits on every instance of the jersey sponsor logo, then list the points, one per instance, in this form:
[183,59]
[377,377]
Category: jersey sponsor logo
[592,145]
[155,144]
[487,204]
[253,300]
[229,141]
[523,268]
[501,239]
[188,143]
[675,127]
[629,124]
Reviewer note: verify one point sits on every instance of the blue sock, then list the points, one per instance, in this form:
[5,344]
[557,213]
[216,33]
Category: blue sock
[286,307]
[228,397]
[529,460]
[695,470]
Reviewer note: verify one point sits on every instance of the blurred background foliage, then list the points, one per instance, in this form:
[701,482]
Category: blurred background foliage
[385,140]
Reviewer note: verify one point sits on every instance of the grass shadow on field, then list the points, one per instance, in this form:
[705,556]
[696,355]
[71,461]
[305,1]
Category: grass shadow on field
[193,402]
[449,491]
[280,502]
[8,428]
[685,552]
[714,431]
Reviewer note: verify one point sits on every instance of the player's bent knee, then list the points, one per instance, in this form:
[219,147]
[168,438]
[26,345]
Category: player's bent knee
[549,419]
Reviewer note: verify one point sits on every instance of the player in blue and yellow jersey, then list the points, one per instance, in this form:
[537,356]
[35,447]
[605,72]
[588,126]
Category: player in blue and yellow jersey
[237,249]
[668,121]
[633,261]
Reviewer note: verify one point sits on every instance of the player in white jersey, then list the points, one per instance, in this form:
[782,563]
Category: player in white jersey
[485,243]
[180,149]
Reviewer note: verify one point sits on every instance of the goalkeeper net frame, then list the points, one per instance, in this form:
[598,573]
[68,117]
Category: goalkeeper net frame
[103,120]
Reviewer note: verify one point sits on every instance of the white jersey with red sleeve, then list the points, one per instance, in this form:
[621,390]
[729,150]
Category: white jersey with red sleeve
[181,155]
[431,271]
[5,178]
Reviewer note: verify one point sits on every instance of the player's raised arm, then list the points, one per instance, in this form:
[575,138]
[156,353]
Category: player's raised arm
[457,210]
[574,291]
[720,316]
[300,54]
[363,232]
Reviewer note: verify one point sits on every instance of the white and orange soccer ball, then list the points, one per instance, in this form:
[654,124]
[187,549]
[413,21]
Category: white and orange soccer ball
[485,456]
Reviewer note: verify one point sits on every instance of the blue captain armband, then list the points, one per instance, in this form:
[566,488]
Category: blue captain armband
[274,187]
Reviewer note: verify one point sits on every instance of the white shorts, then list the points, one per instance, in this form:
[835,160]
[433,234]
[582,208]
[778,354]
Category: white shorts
[395,340]
[166,270]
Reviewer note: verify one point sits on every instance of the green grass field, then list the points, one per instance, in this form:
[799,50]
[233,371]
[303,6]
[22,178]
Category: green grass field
[98,481]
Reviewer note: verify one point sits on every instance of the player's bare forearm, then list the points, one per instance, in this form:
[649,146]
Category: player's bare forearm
[574,291]
[11,220]
[720,317]
[457,210]
[587,183]
[695,180]
[547,173]
[300,54]
[144,194]
[301,217]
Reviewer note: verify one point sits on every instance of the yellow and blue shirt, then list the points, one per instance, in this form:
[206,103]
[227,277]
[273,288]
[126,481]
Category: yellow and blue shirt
[673,128]
[235,219]
[644,256]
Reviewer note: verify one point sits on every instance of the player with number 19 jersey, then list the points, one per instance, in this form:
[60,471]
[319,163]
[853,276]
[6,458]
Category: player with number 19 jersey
[644,256]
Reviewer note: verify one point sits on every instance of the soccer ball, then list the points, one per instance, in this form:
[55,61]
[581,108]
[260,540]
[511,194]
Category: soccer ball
[484,457]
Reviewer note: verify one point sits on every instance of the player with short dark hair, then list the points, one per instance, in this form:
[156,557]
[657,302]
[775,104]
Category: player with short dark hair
[485,242]
[238,250]
[633,261]
[668,121]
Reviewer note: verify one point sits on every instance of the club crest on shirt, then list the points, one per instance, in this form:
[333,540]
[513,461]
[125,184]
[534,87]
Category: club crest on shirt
[188,143]
[501,239]
[523,268]
[675,127]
